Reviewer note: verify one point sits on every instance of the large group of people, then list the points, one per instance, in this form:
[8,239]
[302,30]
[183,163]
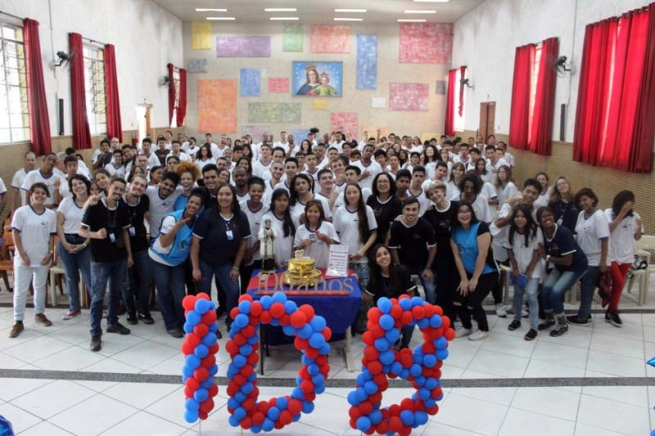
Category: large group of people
[186,217]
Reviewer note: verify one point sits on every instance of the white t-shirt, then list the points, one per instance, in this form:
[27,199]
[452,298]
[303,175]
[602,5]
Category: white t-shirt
[509,191]
[346,223]
[183,157]
[166,226]
[35,230]
[283,245]
[622,238]
[313,175]
[299,208]
[340,201]
[72,215]
[159,207]
[258,168]
[523,254]
[202,163]
[590,231]
[423,201]
[318,250]
[542,200]
[499,235]
[113,170]
[492,169]
[19,178]
[255,221]
[283,145]
[36,176]
[452,190]
[373,168]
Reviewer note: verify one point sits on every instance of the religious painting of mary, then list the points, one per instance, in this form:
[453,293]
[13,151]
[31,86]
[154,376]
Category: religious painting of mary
[317,79]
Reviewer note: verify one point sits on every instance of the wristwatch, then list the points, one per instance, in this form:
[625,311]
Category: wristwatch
[548,258]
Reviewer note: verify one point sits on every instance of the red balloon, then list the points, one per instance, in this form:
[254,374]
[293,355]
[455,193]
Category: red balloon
[189,302]
[396,311]
[202,296]
[209,317]
[201,330]
[207,405]
[201,373]
[213,391]
[193,339]
[208,361]
[202,415]
[395,424]
[418,312]
[308,311]
[295,406]
[307,386]
[246,423]
[245,297]
[213,349]
[258,418]
[365,407]
[234,312]
[256,308]
[298,319]
[286,417]
[266,317]
[188,392]
[192,383]
[277,310]
[187,348]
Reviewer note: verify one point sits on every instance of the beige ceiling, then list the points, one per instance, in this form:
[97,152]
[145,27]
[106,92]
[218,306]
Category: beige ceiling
[317,11]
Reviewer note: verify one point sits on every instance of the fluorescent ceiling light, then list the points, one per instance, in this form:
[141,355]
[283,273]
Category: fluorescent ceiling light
[284,18]
[431,1]
[354,11]
[210,10]
[348,19]
[280,10]
[420,11]
[410,21]
[221,18]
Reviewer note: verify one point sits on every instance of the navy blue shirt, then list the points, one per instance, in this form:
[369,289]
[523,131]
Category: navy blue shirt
[217,246]
[562,244]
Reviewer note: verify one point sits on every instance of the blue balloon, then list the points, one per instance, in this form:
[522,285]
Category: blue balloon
[266,301]
[289,330]
[241,320]
[307,407]
[423,394]
[187,372]
[188,328]
[363,423]
[392,335]
[234,422]
[282,403]
[213,370]
[436,321]
[244,307]
[417,301]
[381,344]
[268,425]
[407,417]
[193,317]
[190,416]
[405,304]
[201,351]
[240,360]
[192,361]
[256,429]
[290,307]
[317,340]
[246,350]
[232,403]
[317,323]
[297,393]
[385,305]
[191,404]
[319,389]
[420,417]
[430,383]
[325,349]
[247,388]
[361,394]
[240,397]
[273,413]
[313,369]
[386,322]
[396,368]
[415,370]
[206,384]
[429,360]
[240,413]
[441,343]
[423,323]
[201,395]
[209,339]
[279,297]
[202,306]
[213,327]
[442,354]
[352,398]
[306,331]
[375,416]
[420,380]
[371,387]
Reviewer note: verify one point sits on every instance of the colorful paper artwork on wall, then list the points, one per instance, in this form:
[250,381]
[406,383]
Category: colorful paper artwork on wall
[201,36]
[426,43]
[278,85]
[378,102]
[243,46]
[372,132]
[274,113]
[346,122]
[299,135]
[409,96]
[292,38]
[217,106]
[426,136]
[330,39]
[250,82]
[255,131]
[320,104]
[198,66]
[367,61]
[317,79]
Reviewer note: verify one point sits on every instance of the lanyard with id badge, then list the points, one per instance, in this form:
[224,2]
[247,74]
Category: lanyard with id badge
[229,234]
[112,224]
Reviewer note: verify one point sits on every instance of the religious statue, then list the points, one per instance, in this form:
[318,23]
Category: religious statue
[267,246]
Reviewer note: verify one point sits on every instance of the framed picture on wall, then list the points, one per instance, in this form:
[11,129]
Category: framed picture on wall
[317,79]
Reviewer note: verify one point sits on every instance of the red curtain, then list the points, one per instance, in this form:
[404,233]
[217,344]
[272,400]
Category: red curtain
[171,93]
[36,98]
[614,119]
[81,132]
[449,127]
[520,111]
[541,128]
[460,109]
[181,109]
[114,128]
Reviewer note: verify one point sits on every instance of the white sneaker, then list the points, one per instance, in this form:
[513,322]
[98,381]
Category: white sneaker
[461,332]
[524,313]
[500,311]
[478,335]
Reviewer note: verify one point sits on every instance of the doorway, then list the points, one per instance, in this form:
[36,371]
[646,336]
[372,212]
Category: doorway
[487,119]
[143,116]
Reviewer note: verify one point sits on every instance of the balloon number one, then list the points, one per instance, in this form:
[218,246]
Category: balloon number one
[311,338]
[422,367]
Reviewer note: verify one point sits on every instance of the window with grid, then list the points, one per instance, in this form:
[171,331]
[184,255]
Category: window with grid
[14,111]
[96,92]
[176,83]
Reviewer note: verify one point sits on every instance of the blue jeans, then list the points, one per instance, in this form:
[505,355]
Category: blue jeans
[140,280]
[556,284]
[587,286]
[531,291]
[101,272]
[222,275]
[73,264]
[169,281]
[428,287]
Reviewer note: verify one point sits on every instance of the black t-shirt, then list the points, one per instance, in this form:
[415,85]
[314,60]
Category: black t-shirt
[440,222]
[385,213]
[161,154]
[566,214]
[100,217]
[216,246]
[562,244]
[386,286]
[412,242]
[137,229]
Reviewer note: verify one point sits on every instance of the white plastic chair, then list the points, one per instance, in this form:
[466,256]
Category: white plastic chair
[643,249]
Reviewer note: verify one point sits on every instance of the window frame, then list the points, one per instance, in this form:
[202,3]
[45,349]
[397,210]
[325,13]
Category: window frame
[95,88]
[19,65]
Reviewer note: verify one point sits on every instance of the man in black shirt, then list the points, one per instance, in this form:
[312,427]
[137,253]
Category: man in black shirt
[140,278]
[413,245]
[106,223]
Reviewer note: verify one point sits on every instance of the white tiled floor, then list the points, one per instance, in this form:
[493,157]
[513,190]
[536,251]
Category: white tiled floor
[53,407]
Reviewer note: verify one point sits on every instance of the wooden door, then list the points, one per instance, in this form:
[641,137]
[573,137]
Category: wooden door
[148,125]
[487,119]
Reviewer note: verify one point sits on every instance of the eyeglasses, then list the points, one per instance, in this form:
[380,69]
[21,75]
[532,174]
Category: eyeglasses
[464,212]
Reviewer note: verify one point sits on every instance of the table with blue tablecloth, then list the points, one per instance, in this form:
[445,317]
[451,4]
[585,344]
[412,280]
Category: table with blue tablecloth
[337,300]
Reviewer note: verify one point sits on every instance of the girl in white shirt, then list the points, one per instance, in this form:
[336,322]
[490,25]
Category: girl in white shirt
[316,235]
[355,223]
[284,226]
[593,234]
[505,187]
[625,226]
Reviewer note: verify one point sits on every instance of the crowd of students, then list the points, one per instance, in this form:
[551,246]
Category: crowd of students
[185,217]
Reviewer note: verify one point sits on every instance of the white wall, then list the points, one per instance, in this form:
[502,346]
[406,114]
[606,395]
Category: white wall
[146,38]
[485,40]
